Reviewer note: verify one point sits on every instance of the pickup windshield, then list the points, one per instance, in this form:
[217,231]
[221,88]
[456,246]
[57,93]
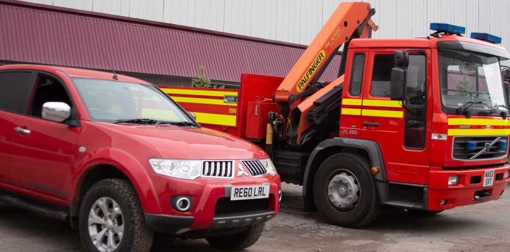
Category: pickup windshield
[470,82]
[125,102]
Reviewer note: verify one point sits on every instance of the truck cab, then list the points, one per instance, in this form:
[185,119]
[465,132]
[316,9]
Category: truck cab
[437,110]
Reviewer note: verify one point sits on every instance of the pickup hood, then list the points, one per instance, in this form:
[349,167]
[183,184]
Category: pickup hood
[190,143]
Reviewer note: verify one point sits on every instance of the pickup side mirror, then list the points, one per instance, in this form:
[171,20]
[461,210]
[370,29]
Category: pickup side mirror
[56,111]
[398,75]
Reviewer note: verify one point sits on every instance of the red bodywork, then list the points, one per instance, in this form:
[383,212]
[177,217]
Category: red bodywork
[48,164]
[429,167]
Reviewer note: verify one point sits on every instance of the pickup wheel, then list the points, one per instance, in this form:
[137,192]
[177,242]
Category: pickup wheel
[237,241]
[111,218]
[345,192]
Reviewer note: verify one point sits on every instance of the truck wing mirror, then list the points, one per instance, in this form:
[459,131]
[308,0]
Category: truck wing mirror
[397,84]
[401,59]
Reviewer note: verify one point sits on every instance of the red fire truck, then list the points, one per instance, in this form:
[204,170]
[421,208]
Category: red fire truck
[418,123]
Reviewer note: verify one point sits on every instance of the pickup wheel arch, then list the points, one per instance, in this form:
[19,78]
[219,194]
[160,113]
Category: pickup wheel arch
[101,168]
[366,148]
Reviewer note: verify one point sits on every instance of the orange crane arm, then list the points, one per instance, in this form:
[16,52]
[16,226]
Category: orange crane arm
[350,20]
[340,27]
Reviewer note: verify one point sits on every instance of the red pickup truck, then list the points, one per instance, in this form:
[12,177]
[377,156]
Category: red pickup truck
[124,163]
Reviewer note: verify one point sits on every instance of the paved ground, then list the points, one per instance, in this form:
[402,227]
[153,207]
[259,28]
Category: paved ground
[485,227]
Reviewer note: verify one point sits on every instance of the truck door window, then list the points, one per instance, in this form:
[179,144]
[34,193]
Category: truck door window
[416,83]
[14,90]
[357,74]
[381,75]
[47,89]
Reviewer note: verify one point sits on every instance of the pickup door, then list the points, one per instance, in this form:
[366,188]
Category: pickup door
[44,150]
[14,90]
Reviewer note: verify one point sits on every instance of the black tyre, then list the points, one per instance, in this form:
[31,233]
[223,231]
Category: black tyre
[111,218]
[237,241]
[345,192]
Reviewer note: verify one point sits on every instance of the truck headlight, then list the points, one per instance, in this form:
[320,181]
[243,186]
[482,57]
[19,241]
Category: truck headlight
[183,169]
[268,164]
[453,180]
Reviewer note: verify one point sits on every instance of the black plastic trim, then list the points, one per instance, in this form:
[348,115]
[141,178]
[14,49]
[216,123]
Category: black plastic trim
[241,220]
[168,224]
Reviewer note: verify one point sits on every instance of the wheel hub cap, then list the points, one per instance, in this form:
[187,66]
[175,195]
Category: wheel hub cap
[106,224]
[343,191]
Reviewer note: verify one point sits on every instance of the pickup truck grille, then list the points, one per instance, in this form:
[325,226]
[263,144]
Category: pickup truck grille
[484,148]
[226,206]
[255,167]
[218,169]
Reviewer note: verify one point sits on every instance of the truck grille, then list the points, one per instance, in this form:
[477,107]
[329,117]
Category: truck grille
[218,169]
[484,148]
[255,167]
[226,206]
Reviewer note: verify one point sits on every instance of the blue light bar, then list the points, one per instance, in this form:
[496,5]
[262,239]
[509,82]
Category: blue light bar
[447,28]
[486,37]
[470,145]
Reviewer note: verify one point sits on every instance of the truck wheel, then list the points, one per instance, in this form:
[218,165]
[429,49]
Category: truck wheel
[111,218]
[237,241]
[345,192]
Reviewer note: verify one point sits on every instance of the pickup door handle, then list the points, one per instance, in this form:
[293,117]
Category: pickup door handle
[22,130]
[373,124]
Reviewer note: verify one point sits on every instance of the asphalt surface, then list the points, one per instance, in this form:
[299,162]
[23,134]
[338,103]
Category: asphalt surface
[483,227]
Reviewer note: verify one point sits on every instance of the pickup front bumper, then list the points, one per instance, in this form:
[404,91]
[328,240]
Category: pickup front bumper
[168,224]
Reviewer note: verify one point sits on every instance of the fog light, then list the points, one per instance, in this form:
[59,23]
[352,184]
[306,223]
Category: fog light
[181,203]
[443,202]
[507,174]
[453,180]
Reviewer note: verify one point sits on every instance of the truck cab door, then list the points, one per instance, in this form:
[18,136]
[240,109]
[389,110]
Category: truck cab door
[401,135]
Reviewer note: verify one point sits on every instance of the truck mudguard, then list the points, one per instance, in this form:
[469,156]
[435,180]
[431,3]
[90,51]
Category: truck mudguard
[371,147]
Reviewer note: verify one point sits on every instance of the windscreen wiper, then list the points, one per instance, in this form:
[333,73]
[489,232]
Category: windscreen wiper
[181,123]
[464,108]
[154,121]
[138,121]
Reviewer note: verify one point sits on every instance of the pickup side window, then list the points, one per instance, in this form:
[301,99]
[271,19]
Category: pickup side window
[14,90]
[47,89]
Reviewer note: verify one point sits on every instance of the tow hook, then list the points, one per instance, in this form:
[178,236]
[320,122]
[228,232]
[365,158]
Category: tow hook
[482,195]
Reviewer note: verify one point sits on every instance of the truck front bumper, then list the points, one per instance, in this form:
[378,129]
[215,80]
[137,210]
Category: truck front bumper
[469,190]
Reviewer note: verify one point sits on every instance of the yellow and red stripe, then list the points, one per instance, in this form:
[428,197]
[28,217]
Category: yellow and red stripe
[208,105]
[372,107]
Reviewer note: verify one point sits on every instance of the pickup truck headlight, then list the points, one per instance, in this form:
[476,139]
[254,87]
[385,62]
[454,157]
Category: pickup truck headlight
[183,169]
[268,164]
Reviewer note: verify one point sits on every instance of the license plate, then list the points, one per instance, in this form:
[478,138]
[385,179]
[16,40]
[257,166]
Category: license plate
[249,192]
[488,179]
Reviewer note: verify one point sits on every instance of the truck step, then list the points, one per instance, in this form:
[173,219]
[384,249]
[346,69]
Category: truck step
[34,207]
[290,165]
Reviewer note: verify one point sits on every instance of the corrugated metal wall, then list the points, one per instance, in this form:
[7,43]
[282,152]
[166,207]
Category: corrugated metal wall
[298,21]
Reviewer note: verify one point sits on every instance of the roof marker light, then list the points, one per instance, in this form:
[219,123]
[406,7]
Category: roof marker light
[447,28]
[486,37]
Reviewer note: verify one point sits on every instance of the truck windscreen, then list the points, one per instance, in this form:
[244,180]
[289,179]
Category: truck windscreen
[470,82]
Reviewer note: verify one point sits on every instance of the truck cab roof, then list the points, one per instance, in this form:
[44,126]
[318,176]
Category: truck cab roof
[423,42]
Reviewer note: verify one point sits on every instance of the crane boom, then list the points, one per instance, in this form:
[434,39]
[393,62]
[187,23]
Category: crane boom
[350,20]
